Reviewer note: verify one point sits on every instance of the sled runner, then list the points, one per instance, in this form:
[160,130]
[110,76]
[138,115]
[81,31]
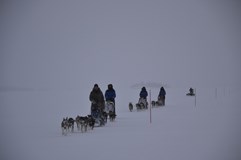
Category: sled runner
[190,94]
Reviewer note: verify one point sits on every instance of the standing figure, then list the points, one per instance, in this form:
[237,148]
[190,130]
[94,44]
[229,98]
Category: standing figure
[97,100]
[110,96]
[143,93]
[162,96]
[142,103]
[191,92]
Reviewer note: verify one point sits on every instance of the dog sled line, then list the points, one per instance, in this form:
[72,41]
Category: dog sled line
[97,118]
[82,122]
[142,104]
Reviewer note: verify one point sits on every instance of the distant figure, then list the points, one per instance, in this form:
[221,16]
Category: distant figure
[191,92]
[110,95]
[142,103]
[162,96]
[143,93]
[97,99]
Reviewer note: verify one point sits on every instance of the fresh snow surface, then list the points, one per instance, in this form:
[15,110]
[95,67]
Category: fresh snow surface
[209,130]
[52,52]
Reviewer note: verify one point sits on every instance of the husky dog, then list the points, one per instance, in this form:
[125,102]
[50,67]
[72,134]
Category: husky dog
[112,116]
[104,116]
[157,103]
[78,123]
[130,107]
[142,104]
[153,103]
[99,117]
[83,122]
[91,121]
[71,124]
[66,125]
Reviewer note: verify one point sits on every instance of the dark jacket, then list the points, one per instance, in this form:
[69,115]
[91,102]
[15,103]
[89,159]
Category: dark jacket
[97,99]
[191,91]
[162,92]
[110,95]
[143,93]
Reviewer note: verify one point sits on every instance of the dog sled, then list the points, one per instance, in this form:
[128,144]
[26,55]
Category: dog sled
[191,92]
[110,110]
[159,102]
[99,117]
[98,114]
[142,104]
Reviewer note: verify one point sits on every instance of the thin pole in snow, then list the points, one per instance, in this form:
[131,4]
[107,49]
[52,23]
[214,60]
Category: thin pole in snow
[150,107]
[195,97]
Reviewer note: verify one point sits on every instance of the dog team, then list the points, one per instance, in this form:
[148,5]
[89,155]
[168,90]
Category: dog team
[103,106]
[143,103]
[101,109]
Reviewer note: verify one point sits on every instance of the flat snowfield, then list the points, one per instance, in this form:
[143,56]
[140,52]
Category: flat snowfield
[52,52]
[209,130]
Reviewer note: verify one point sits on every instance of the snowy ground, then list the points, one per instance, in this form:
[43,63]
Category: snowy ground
[210,130]
[52,52]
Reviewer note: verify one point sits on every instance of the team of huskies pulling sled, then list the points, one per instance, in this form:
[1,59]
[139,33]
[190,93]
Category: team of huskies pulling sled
[97,118]
[142,104]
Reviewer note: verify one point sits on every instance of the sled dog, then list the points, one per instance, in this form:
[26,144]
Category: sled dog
[130,107]
[66,125]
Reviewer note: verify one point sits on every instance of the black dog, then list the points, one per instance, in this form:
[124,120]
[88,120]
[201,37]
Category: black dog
[81,123]
[104,116]
[91,121]
[153,103]
[66,125]
[71,124]
[112,116]
[130,107]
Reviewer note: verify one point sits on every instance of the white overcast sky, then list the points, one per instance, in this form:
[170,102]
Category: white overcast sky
[76,43]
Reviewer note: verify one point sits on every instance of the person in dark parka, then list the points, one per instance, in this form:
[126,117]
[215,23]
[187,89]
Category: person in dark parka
[162,95]
[97,99]
[143,93]
[110,95]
